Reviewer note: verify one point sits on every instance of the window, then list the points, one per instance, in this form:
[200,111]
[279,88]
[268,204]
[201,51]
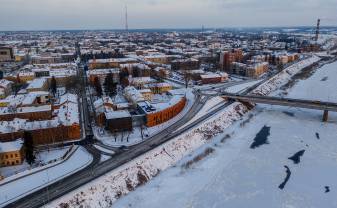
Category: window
[16,155]
[17,162]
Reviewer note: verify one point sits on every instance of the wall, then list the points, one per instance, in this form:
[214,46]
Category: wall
[154,119]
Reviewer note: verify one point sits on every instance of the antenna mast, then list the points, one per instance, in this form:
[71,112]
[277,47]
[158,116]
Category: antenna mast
[317,29]
[126,19]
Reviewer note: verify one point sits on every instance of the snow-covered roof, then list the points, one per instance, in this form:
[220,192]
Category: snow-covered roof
[68,97]
[29,109]
[11,146]
[4,83]
[113,60]
[37,83]
[117,114]
[133,94]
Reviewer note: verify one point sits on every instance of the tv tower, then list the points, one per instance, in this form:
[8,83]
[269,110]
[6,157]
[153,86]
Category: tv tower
[126,19]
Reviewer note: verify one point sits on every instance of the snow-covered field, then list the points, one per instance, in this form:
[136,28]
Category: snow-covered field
[30,183]
[236,175]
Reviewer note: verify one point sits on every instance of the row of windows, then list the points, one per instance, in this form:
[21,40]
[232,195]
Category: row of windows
[10,163]
[9,156]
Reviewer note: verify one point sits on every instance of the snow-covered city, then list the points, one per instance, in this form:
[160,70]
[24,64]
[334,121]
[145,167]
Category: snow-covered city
[209,117]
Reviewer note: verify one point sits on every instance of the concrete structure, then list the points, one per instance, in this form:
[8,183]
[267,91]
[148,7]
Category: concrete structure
[310,104]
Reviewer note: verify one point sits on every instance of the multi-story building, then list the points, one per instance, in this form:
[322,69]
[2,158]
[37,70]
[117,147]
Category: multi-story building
[63,126]
[102,73]
[109,63]
[253,70]
[185,64]
[5,88]
[6,54]
[159,88]
[228,57]
[11,153]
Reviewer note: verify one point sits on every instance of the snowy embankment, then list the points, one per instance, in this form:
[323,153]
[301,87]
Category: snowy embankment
[108,188]
[104,191]
[27,184]
[284,76]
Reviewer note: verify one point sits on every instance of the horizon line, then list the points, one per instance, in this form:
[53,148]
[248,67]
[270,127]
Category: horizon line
[168,28]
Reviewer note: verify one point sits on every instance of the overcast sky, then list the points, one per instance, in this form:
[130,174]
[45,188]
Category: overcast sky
[110,14]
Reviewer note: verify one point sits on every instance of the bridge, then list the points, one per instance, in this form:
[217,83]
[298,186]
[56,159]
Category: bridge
[298,103]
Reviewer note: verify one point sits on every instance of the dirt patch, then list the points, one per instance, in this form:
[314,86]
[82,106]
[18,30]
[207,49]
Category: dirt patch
[142,178]
[129,185]
[198,158]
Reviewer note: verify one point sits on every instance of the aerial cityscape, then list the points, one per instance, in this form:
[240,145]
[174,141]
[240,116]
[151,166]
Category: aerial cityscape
[168,104]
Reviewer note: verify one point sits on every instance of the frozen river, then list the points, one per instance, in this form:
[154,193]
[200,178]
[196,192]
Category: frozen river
[274,157]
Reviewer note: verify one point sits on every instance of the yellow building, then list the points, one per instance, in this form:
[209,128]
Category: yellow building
[159,88]
[26,76]
[147,94]
[11,153]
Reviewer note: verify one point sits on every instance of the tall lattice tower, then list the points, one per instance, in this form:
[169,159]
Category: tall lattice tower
[317,29]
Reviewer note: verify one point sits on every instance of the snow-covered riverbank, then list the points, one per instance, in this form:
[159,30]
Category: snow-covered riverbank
[235,175]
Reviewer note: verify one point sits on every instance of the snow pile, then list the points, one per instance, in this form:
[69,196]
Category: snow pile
[284,76]
[105,190]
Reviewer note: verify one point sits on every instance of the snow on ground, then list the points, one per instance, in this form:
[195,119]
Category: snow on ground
[170,189]
[236,175]
[23,186]
[210,105]
[104,150]
[42,157]
[284,76]
[241,87]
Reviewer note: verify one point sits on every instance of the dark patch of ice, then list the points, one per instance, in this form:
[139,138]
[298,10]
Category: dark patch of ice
[327,189]
[288,172]
[289,113]
[324,79]
[261,138]
[296,158]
